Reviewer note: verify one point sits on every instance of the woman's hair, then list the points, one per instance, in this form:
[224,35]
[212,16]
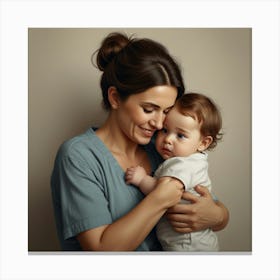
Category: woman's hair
[205,111]
[135,65]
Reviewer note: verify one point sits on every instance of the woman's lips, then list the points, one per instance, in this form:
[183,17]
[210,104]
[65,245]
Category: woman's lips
[148,132]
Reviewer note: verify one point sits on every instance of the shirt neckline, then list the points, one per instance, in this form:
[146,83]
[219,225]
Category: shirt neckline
[107,153]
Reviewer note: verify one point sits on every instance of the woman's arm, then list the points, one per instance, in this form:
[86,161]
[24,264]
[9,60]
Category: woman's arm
[202,213]
[128,232]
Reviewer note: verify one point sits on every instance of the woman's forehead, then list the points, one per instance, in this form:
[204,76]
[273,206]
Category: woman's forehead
[159,96]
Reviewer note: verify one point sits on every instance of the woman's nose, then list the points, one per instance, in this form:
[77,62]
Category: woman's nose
[157,121]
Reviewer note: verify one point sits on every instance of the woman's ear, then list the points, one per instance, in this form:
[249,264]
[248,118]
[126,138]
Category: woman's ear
[113,97]
[204,143]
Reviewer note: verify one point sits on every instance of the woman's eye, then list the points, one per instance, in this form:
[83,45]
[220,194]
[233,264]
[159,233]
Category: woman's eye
[148,110]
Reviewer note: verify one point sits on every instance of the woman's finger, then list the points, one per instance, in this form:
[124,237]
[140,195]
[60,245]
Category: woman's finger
[178,218]
[192,198]
[178,224]
[203,191]
[181,209]
[183,230]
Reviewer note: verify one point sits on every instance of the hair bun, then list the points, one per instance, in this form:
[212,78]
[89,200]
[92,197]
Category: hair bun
[110,47]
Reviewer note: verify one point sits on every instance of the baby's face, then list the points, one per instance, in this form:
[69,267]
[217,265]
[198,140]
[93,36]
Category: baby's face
[180,135]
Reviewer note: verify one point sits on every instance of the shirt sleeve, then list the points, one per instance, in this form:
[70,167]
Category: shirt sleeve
[189,171]
[82,198]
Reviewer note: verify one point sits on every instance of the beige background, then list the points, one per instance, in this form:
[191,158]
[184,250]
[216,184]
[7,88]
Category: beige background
[65,98]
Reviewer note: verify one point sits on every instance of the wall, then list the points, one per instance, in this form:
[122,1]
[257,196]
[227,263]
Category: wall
[64,100]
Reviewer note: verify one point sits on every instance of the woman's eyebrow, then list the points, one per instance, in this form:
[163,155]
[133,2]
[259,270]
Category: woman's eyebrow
[169,108]
[155,105]
[150,104]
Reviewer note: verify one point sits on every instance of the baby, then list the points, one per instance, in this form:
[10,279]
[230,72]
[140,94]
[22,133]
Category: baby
[191,127]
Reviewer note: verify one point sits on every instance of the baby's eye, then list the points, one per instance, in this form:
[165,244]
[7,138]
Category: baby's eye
[181,136]
[164,130]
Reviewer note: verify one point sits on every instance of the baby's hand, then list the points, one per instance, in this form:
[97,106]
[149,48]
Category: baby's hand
[134,175]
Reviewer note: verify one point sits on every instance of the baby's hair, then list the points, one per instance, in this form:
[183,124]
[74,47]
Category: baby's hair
[134,65]
[205,111]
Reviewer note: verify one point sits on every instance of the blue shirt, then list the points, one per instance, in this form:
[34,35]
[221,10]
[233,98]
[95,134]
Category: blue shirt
[89,189]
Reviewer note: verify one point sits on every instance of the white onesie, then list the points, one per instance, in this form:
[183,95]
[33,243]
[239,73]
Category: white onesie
[191,171]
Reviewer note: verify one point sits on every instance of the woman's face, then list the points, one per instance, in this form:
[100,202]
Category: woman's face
[143,113]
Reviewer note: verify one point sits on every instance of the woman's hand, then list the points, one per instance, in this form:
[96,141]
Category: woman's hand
[202,213]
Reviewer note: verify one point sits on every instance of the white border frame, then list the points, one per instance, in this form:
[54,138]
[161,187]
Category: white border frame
[18,16]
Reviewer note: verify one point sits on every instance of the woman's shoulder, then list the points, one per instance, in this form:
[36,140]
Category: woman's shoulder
[80,145]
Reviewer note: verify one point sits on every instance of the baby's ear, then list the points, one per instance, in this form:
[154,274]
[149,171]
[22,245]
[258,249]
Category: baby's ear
[204,143]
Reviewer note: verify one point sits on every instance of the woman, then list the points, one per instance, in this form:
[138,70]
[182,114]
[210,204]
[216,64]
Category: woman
[95,210]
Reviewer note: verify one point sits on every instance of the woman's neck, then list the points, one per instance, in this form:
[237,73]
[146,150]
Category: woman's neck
[126,152]
[115,140]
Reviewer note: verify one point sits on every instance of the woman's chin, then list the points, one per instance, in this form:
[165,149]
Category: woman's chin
[143,140]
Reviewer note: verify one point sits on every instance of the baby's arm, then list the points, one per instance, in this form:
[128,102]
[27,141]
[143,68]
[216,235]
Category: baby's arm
[138,177]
